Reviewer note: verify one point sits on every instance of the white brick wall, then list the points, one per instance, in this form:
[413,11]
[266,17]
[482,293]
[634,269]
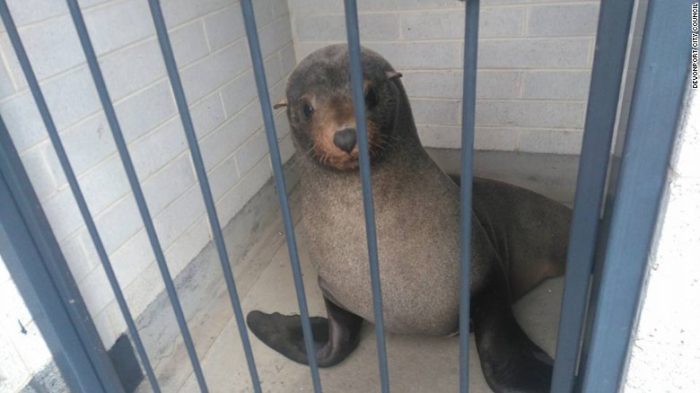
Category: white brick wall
[534,67]
[534,64]
[212,54]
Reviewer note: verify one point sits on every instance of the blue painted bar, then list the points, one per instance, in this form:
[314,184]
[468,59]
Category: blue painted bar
[471,42]
[358,99]
[271,133]
[77,192]
[660,82]
[35,262]
[187,124]
[135,187]
[611,42]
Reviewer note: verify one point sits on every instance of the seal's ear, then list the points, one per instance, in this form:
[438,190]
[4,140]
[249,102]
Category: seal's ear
[393,75]
[281,103]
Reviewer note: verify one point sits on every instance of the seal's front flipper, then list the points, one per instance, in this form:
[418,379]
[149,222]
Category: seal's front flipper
[283,332]
[335,338]
[511,362]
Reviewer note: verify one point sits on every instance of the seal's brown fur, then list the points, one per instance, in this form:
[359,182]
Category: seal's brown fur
[518,237]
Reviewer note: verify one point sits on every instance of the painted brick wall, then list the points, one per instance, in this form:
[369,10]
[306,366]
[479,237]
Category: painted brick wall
[212,54]
[534,64]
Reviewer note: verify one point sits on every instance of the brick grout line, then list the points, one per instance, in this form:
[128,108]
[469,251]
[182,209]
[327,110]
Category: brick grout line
[85,9]
[133,44]
[97,215]
[141,90]
[227,46]
[239,147]
[98,6]
[240,180]
[103,159]
[90,115]
[460,40]
[496,127]
[203,16]
[234,153]
[545,3]
[206,36]
[10,74]
[491,7]
[151,262]
[505,99]
[591,52]
[220,99]
[226,122]
[83,64]
[490,69]
[526,23]
[558,4]
[238,76]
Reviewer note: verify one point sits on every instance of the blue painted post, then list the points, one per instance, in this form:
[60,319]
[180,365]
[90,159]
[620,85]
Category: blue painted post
[471,42]
[358,99]
[661,79]
[271,133]
[608,64]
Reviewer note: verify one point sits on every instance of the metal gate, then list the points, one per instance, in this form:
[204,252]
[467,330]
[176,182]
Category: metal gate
[595,325]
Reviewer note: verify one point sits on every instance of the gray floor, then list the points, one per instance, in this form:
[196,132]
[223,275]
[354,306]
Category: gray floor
[417,364]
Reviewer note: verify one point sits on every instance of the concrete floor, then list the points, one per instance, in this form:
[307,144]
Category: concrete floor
[417,364]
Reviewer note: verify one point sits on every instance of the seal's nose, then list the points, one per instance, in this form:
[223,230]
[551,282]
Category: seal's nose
[345,139]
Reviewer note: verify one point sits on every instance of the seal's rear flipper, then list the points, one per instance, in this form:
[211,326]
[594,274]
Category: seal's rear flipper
[335,338]
[511,362]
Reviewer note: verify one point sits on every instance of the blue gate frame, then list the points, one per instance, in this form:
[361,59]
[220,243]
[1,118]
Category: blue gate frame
[618,245]
[37,266]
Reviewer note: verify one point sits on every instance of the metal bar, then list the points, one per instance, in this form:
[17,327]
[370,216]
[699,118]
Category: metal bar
[608,64]
[75,189]
[471,42]
[201,171]
[38,268]
[135,187]
[271,133]
[358,99]
[659,85]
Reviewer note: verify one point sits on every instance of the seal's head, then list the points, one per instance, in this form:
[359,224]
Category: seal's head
[320,109]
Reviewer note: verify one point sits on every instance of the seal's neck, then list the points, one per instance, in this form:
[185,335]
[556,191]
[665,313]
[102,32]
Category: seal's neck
[405,148]
[404,126]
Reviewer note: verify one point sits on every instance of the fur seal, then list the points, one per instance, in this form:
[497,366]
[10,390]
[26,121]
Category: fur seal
[519,238]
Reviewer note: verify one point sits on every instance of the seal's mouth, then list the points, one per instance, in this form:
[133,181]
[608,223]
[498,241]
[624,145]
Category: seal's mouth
[339,150]
[349,163]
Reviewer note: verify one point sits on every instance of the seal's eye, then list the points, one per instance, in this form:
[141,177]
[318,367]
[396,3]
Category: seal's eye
[308,110]
[371,99]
